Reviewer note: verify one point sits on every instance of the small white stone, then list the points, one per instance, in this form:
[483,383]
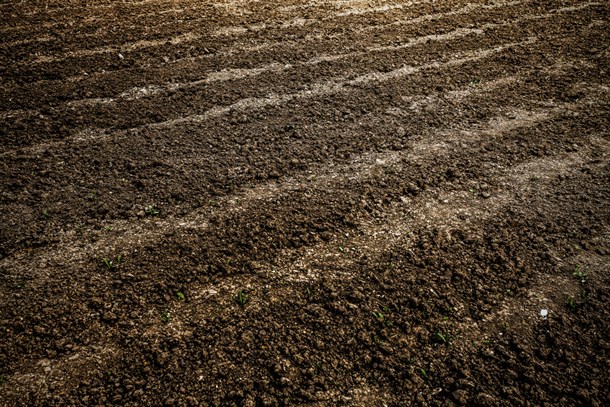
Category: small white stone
[544,313]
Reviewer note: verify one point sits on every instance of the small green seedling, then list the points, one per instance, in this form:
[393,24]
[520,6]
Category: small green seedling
[571,303]
[309,293]
[379,316]
[112,264]
[108,263]
[241,298]
[151,210]
[180,296]
[581,273]
[423,373]
[440,337]
[165,316]
[45,213]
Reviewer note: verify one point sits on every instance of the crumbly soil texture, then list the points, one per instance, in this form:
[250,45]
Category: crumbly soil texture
[267,203]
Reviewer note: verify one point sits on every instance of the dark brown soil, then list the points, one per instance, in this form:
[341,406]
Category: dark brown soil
[362,203]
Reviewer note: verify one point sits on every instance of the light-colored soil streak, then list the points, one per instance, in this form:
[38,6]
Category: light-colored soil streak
[333,86]
[352,202]
[233,74]
[275,67]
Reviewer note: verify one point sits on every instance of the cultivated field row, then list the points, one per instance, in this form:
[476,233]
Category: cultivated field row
[87,108]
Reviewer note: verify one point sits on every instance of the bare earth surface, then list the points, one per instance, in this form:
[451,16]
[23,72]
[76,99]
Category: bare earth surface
[345,202]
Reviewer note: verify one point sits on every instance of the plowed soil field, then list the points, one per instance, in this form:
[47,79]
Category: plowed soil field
[349,202]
